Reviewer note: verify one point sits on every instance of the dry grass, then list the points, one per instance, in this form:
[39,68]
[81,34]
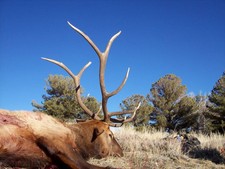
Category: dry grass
[143,150]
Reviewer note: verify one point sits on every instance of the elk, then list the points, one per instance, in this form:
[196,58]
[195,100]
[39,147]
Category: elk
[37,140]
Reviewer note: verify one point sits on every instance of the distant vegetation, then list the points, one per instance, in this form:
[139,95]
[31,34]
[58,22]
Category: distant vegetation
[167,106]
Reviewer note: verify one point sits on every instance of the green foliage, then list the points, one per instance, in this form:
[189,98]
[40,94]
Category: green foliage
[92,104]
[166,92]
[185,113]
[217,105]
[161,121]
[143,113]
[60,100]
[172,108]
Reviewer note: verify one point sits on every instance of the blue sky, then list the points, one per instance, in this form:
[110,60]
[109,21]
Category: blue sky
[183,37]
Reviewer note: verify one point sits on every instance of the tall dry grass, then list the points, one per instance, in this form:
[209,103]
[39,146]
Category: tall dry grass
[149,150]
[211,141]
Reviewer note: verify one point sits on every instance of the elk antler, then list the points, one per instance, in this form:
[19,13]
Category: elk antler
[76,79]
[103,56]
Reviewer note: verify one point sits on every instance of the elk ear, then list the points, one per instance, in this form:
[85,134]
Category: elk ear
[96,133]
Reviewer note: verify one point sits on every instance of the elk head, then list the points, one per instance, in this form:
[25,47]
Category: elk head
[96,138]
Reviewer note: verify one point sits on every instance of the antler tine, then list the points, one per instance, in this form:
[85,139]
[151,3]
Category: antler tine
[76,79]
[110,43]
[122,121]
[121,85]
[99,53]
[97,113]
[87,38]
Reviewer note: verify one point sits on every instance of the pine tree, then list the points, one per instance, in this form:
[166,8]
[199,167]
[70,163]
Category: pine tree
[217,105]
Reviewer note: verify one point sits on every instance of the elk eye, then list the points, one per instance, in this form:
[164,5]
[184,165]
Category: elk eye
[110,135]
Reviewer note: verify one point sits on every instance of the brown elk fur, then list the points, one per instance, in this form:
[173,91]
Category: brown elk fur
[32,139]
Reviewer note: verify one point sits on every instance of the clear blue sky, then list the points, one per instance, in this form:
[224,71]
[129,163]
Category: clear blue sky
[183,37]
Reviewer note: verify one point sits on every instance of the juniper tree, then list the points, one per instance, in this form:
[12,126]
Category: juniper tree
[60,100]
[172,107]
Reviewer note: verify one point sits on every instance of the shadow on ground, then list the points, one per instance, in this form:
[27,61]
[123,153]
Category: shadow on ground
[210,154]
